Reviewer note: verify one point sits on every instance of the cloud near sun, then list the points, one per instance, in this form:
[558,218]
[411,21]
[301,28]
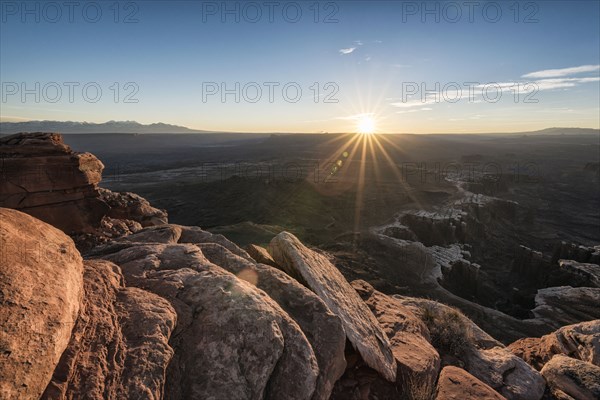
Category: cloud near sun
[347,51]
[548,79]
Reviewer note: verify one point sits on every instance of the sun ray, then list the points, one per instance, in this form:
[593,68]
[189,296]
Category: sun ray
[360,186]
[375,161]
[398,174]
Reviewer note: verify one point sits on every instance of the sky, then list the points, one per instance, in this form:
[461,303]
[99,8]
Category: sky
[304,66]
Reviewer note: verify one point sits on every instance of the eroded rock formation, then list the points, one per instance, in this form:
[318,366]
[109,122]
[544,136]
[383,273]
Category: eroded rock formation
[565,305]
[580,341]
[43,177]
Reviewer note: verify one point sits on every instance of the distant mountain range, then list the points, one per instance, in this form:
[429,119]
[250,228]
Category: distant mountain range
[567,131]
[132,127]
[88,127]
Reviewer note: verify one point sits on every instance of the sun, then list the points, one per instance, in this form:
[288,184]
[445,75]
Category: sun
[366,125]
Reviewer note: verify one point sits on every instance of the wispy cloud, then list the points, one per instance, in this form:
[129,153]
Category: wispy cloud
[349,50]
[414,110]
[518,87]
[414,103]
[545,84]
[358,42]
[554,73]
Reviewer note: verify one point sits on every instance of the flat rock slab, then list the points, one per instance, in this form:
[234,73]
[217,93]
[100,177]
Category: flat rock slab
[320,275]
[260,255]
[417,359]
[457,384]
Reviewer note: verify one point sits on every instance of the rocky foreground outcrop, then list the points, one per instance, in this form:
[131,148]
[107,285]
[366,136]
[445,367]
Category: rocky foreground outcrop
[175,312]
[119,346]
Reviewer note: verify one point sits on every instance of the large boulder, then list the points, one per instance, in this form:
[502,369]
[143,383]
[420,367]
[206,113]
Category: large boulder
[569,378]
[417,359]
[41,286]
[232,339]
[457,384]
[43,177]
[119,347]
[580,341]
[322,328]
[321,276]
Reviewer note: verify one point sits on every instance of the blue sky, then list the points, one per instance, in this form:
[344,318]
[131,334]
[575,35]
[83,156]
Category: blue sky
[357,59]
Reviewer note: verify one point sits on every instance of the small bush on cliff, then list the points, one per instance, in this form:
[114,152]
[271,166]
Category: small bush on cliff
[449,330]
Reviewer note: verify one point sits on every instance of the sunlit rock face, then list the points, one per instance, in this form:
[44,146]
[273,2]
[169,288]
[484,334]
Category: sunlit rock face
[242,346]
[456,383]
[319,274]
[242,301]
[416,358]
[41,286]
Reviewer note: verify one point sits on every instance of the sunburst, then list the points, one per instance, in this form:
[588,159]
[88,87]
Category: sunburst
[366,125]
